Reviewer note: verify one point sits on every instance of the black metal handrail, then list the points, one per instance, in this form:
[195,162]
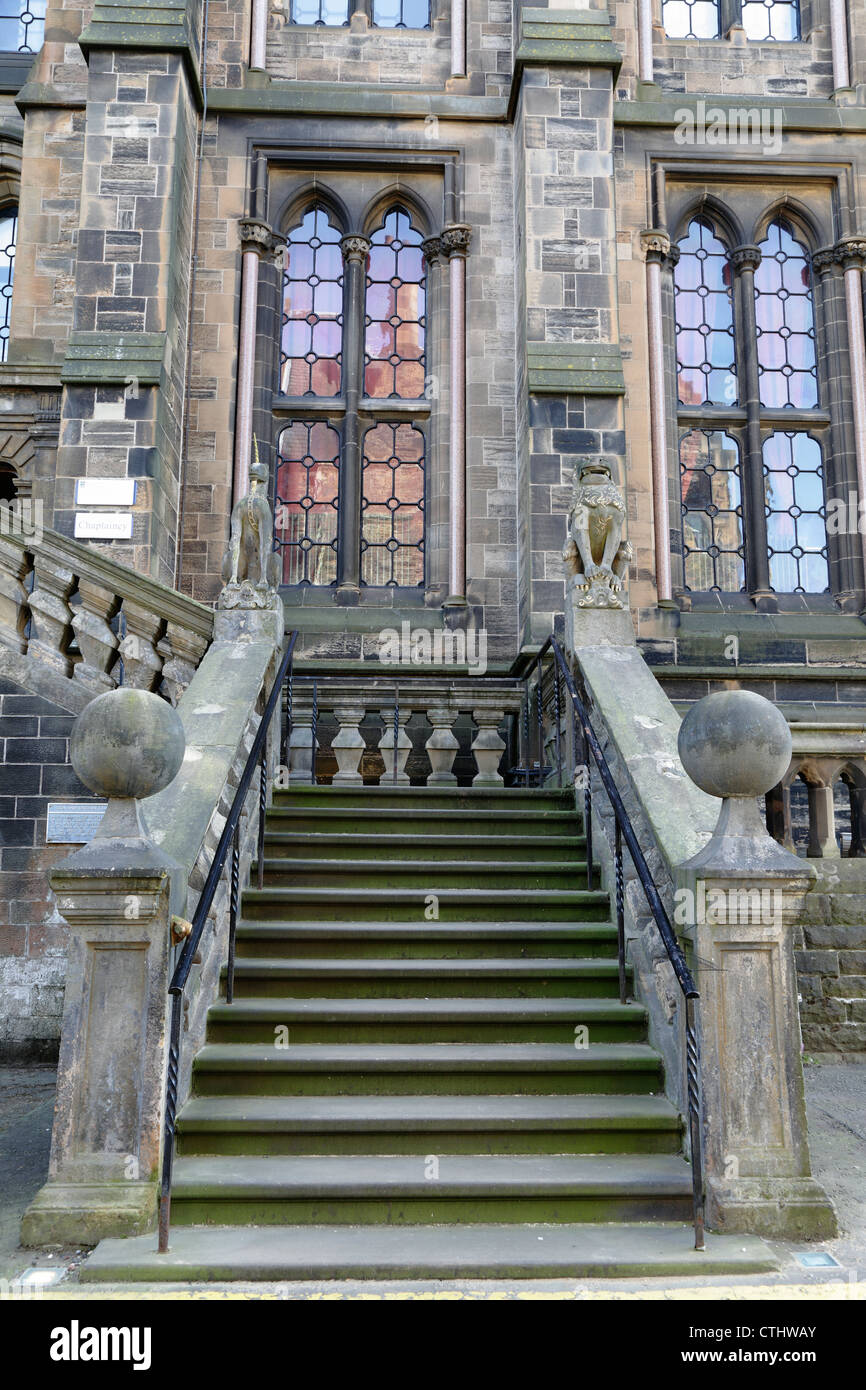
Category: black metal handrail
[623,830]
[258,754]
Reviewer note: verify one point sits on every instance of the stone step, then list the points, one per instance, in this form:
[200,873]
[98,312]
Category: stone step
[425,821]
[434,978]
[371,875]
[413,1124]
[425,940]
[425,848]
[357,904]
[426,1069]
[281,1253]
[447,798]
[398,1190]
[426,1020]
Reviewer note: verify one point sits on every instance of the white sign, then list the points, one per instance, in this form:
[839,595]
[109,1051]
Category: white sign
[73,822]
[104,492]
[103,525]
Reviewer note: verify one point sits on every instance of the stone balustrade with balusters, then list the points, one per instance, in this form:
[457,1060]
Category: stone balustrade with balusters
[86,618]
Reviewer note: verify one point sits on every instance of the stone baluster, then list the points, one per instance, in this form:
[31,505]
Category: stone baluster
[349,745]
[386,745]
[51,616]
[301,743]
[442,746]
[96,641]
[779,816]
[488,746]
[14,567]
[142,663]
[822,823]
[182,650]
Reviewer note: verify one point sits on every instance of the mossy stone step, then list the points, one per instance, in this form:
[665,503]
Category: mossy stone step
[433,978]
[359,904]
[425,940]
[370,875]
[430,821]
[425,849]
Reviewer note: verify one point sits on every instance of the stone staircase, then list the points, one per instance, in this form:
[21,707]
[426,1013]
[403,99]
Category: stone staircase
[426,1069]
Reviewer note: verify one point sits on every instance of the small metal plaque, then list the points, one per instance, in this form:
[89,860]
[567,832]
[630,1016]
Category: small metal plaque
[103,526]
[105,492]
[73,822]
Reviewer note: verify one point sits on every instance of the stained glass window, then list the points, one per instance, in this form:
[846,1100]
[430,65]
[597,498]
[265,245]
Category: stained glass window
[8,237]
[796,530]
[777,20]
[392,507]
[395,310]
[307,501]
[691,19]
[712,509]
[312,340]
[785,321]
[706,371]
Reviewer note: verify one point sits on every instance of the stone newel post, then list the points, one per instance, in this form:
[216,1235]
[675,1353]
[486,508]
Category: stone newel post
[746,894]
[117,896]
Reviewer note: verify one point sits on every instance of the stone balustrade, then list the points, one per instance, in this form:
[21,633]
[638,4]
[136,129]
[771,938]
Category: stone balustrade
[819,807]
[448,733]
[86,618]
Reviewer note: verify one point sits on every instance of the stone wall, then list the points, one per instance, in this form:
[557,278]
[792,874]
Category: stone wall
[34,740]
[831,960]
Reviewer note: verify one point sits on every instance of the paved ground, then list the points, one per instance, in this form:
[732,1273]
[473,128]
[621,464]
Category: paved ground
[836,1099]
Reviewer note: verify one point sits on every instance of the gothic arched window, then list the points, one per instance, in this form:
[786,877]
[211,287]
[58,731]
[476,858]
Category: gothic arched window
[8,238]
[751,486]
[350,485]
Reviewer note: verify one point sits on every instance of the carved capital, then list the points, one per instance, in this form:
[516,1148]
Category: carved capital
[851,251]
[256,235]
[432,249]
[826,259]
[355,248]
[455,239]
[656,245]
[746,257]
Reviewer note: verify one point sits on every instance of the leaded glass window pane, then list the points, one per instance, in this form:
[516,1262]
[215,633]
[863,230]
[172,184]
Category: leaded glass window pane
[330,12]
[8,237]
[22,25]
[307,499]
[776,20]
[787,369]
[401,14]
[712,511]
[691,19]
[795,508]
[392,506]
[706,371]
[395,310]
[312,335]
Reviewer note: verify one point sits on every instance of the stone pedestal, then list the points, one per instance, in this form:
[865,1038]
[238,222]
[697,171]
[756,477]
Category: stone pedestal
[747,895]
[594,627]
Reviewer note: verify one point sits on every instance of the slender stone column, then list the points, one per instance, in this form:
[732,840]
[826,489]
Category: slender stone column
[839,45]
[435,389]
[645,40]
[745,260]
[852,254]
[657,247]
[458,38]
[258,33]
[747,895]
[455,243]
[257,240]
[355,252]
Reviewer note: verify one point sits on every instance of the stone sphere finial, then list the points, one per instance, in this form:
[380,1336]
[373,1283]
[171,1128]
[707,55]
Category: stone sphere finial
[127,744]
[735,743]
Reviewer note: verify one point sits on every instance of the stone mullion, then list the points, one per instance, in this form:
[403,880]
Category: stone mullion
[355,251]
[839,478]
[436,515]
[746,260]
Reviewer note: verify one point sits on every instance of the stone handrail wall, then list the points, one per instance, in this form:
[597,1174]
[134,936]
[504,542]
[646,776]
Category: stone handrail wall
[87,619]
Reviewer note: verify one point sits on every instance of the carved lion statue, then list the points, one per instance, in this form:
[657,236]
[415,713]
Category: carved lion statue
[248,556]
[595,552]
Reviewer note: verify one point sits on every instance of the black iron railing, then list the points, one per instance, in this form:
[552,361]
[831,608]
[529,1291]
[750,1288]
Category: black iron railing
[258,757]
[585,742]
